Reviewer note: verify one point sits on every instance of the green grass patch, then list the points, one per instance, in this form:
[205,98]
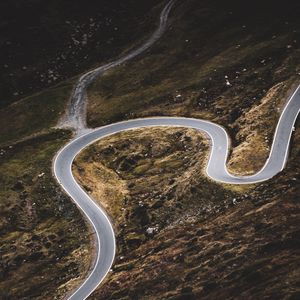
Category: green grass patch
[33,114]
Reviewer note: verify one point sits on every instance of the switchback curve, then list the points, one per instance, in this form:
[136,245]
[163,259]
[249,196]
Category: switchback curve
[216,166]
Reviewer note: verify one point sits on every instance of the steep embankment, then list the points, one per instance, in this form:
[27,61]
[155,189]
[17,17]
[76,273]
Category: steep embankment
[181,236]
[221,62]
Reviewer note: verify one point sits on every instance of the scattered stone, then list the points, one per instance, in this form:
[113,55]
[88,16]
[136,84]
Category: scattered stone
[150,230]
[228,83]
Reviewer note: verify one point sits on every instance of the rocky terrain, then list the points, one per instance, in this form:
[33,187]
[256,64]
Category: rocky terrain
[45,244]
[220,62]
[179,235]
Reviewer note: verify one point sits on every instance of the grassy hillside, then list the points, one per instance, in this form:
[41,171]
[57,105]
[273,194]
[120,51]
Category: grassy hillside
[232,64]
[34,114]
[181,236]
[42,233]
[45,243]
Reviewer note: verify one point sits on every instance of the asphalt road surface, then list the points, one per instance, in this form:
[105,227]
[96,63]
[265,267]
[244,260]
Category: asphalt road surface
[216,169]
[75,119]
[216,166]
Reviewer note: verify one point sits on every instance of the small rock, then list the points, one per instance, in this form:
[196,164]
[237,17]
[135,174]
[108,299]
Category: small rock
[150,230]
[234,201]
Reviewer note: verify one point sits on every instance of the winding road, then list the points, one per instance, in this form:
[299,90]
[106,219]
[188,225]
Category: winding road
[216,166]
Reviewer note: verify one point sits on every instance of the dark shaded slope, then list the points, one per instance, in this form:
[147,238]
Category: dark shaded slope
[43,42]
